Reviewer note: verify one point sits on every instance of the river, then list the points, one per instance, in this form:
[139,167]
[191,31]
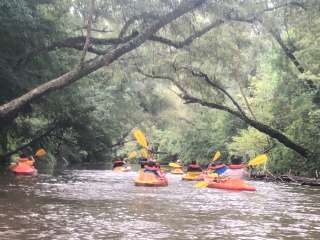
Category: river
[96,204]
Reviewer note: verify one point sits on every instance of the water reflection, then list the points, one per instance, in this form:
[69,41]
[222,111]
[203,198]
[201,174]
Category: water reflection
[106,205]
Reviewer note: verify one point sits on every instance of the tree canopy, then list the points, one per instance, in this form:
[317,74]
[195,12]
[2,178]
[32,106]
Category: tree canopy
[196,76]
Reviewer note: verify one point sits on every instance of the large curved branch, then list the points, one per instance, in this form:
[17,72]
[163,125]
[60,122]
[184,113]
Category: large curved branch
[10,109]
[215,85]
[253,123]
[78,44]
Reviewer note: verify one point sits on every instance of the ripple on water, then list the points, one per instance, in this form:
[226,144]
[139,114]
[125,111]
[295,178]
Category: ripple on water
[106,205]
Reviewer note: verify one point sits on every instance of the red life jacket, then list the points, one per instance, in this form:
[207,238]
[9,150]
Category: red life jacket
[194,166]
[217,166]
[236,166]
[23,159]
[154,168]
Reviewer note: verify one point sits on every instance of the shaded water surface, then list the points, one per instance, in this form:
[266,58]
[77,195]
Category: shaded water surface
[106,205]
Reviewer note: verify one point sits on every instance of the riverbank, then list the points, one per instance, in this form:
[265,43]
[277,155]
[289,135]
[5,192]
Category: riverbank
[269,177]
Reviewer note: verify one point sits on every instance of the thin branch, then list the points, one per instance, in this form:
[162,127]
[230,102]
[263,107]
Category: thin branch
[215,85]
[189,39]
[130,21]
[87,42]
[35,139]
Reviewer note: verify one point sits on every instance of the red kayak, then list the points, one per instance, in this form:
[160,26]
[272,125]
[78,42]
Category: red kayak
[231,184]
[23,169]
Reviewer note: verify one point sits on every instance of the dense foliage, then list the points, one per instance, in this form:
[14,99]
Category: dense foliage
[264,53]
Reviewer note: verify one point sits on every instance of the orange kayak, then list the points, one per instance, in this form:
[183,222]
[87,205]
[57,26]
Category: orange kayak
[192,176]
[150,180]
[231,184]
[23,169]
[177,171]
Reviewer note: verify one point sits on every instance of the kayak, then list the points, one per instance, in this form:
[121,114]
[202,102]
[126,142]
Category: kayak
[192,176]
[150,180]
[231,184]
[177,171]
[23,169]
[165,168]
[122,169]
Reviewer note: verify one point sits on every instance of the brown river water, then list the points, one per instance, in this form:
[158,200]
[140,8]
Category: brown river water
[92,204]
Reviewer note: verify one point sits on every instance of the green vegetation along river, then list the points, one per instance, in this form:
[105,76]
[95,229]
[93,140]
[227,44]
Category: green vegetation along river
[106,205]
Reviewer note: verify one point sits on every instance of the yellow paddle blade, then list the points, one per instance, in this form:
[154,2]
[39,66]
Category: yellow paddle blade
[216,156]
[141,139]
[261,159]
[201,184]
[144,153]
[174,165]
[213,175]
[132,154]
[40,152]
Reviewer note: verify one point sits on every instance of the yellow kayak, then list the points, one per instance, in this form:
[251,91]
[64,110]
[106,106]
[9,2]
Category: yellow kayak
[192,176]
[150,180]
[177,171]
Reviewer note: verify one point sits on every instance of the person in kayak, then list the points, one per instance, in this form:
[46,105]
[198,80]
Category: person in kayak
[118,163]
[217,167]
[179,162]
[194,167]
[152,167]
[23,158]
[236,169]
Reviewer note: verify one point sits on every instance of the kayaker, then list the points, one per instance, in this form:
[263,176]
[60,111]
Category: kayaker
[118,163]
[179,162]
[151,167]
[23,158]
[217,167]
[194,167]
[142,161]
[236,169]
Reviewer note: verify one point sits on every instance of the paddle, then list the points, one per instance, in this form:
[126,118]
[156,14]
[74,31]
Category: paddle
[216,156]
[260,159]
[201,184]
[145,153]
[141,139]
[132,154]
[40,152]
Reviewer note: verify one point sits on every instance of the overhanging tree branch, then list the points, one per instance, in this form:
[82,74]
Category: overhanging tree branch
[241,115]
[34,140]
[10,109]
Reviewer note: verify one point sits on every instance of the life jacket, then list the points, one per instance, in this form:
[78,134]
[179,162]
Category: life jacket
[236,166]
[217,166]
[24,159]
[220,169]
[194,168]
[118,163]
[154,168]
